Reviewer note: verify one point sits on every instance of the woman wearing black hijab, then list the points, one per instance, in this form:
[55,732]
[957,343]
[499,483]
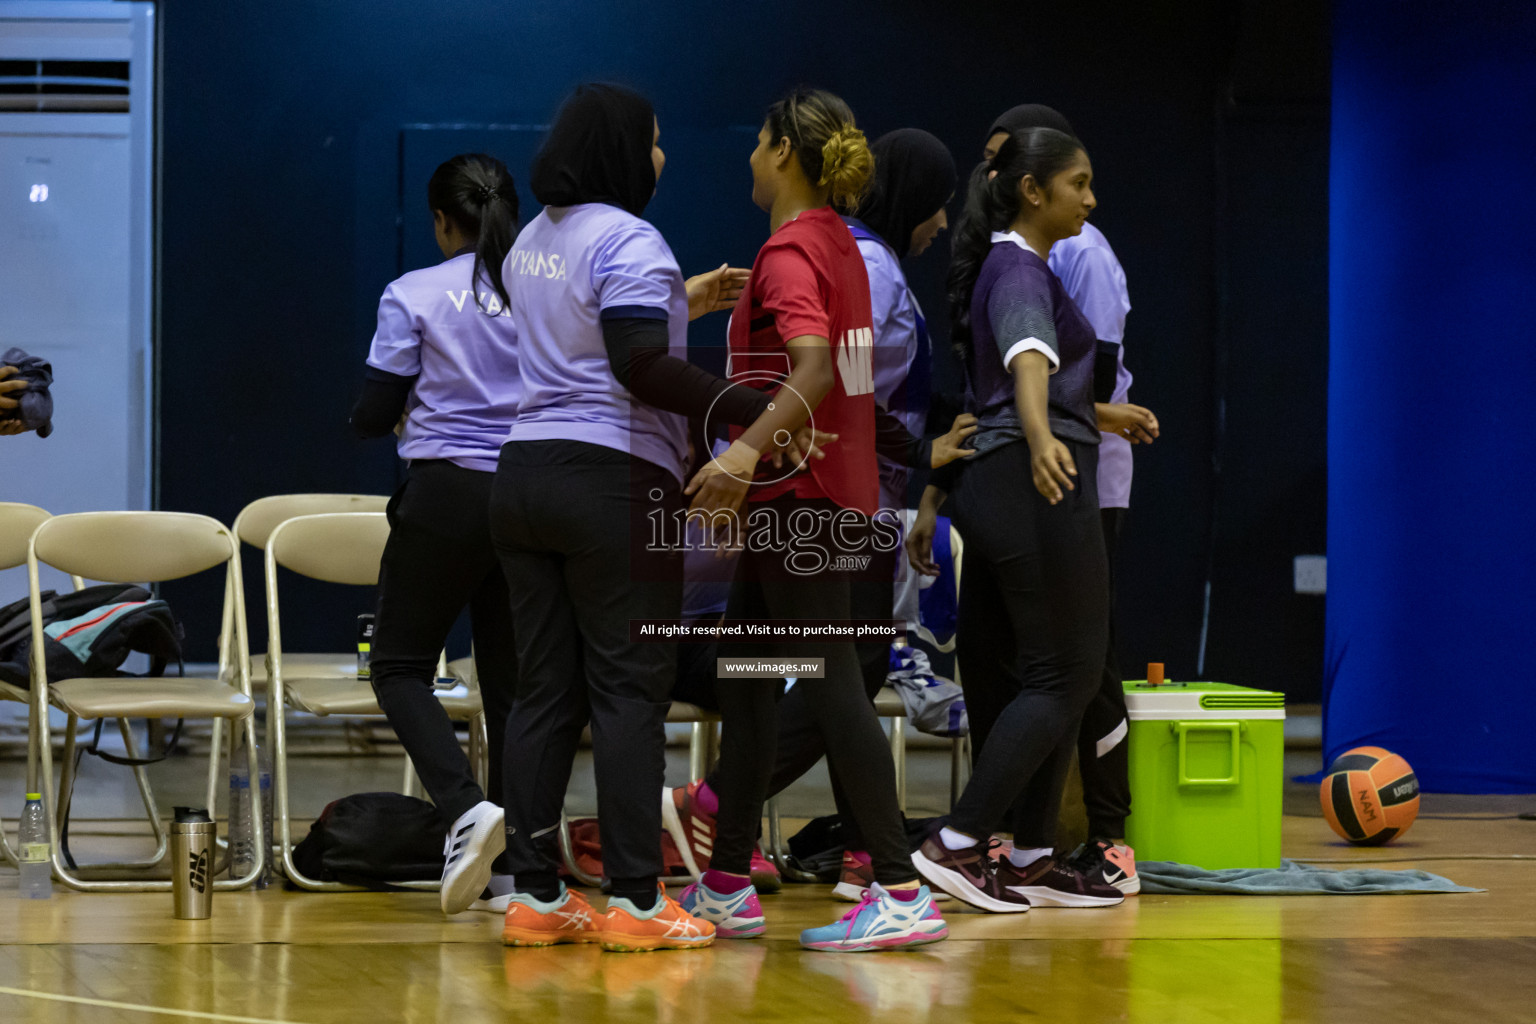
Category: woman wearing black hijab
[598,449]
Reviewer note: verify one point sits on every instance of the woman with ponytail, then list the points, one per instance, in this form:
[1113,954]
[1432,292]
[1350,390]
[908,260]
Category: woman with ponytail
[1034,595]
[802,332]
[445,357]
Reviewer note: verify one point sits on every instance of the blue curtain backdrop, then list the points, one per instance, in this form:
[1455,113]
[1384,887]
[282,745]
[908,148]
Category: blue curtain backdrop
[1432,456]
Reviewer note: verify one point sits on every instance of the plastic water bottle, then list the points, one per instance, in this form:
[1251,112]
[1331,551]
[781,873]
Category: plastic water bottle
[242,846]
[36,851]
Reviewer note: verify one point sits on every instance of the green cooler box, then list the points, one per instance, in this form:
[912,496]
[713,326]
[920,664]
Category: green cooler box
[1207,770]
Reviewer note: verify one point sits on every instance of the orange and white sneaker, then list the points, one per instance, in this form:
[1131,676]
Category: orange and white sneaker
[532,922]
[628,929]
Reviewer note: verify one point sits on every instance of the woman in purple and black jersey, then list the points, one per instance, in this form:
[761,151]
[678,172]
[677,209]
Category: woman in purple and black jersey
[1034,595]
[445,357]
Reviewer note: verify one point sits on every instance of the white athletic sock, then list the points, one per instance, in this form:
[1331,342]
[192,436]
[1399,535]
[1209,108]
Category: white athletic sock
[953,840]
[1024,858]
[500,885]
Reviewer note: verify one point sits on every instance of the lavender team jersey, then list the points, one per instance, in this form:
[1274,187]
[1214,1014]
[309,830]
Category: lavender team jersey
[570,266]
[896,346]
[1018,306]
[1095,280]
[463,354]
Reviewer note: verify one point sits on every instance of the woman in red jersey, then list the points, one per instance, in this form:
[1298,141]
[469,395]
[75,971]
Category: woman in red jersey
[802,330]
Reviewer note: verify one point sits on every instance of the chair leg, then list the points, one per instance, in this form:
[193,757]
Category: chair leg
[568,855]
[6,853]
[410,783]
[146,796]
[899,759]
[480,751]
[777,850]
[698,751]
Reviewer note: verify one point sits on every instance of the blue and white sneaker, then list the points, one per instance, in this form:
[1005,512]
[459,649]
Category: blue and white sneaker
[736,915]
[880,921]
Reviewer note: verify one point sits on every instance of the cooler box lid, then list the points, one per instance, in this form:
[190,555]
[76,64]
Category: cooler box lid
[1172,701]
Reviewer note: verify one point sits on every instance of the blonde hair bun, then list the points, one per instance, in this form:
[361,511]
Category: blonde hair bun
[847,166]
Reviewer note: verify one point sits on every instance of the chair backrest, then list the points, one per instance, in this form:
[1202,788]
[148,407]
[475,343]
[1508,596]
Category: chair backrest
[17,521]
[257,520]
[132,547]
[337,547]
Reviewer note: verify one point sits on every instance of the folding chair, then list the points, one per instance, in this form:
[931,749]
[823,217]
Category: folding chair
[131,547]
[17,523]
[343,548]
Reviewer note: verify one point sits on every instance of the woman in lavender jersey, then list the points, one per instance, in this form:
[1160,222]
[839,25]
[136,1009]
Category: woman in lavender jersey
[598,449]
[445,357]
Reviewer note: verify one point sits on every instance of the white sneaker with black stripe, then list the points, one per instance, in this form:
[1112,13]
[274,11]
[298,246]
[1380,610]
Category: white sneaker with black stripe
[476,839]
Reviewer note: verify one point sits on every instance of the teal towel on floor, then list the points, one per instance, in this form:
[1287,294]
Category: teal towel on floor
[1289,879]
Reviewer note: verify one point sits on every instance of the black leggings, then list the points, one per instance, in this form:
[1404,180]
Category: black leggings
[1034,611]
[800,743]
[568,519]
[439,559]
[1103,753]
[836,707]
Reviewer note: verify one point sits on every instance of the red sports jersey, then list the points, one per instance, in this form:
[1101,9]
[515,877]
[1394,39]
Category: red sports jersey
[810,279]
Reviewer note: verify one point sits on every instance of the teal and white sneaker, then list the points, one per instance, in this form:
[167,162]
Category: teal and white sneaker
[736,915]
[880,921]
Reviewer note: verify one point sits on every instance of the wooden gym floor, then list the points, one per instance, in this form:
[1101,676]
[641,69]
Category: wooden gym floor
[292,957]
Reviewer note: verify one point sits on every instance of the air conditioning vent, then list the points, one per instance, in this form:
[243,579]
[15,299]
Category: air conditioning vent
[64,86]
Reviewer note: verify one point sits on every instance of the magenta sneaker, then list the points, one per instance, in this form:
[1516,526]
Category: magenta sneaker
[858,874]
[735,915]
[765,877]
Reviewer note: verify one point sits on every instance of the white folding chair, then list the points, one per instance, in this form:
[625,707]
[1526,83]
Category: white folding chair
[17,521]
[344,548]
[132,547]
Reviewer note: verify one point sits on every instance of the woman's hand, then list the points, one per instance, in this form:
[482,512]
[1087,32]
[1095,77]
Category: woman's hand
[1132,422]
[919,542]
[719,488]
[948,447]
[8,386]
[719,289]
[807,443]
[1051,465]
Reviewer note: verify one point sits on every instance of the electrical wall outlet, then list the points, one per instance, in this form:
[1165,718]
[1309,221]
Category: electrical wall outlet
[1311,574]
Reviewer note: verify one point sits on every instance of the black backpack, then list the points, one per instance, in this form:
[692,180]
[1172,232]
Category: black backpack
[373,840]
[89,633]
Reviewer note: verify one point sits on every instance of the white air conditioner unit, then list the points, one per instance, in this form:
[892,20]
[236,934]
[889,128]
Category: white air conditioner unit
[77,253]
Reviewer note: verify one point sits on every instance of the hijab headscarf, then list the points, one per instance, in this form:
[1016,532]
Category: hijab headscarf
[914,177]
[1027,116]
[598,151]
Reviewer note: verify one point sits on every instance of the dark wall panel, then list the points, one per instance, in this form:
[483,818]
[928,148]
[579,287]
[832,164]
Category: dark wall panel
[282,214]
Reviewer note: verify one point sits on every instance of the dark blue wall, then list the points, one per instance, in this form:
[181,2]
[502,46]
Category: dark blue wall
[1431,483]
[283,219]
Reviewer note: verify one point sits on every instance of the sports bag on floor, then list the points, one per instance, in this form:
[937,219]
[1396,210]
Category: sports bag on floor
[374,840]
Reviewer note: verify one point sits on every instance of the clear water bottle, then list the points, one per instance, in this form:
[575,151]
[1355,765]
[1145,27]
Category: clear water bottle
[36,851]
[242,846]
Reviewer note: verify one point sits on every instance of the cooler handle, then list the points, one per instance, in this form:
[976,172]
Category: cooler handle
[1233,729]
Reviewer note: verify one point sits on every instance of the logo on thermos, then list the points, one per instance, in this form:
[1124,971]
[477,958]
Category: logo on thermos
[199,871]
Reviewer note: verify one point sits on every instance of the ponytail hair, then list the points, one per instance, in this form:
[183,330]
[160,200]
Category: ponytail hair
[832,151]
[476,193]
[991,204]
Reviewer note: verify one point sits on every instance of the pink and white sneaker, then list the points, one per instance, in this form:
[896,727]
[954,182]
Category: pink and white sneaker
[880,921]
[1109,864]
[764,874]
[735,915]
